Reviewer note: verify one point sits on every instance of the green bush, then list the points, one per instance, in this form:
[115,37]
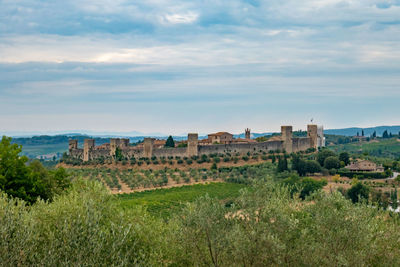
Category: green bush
[81,228]
[362,175]
[266,227]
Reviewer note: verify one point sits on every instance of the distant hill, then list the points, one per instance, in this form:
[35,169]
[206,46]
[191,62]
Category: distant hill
[47,145]
[367,131]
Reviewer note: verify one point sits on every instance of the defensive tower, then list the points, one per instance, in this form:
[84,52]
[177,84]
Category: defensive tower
[312,133]
[114,143]
[287,138]
[88,146]
[193,143]
[148,144]
[72,144]
[247,133]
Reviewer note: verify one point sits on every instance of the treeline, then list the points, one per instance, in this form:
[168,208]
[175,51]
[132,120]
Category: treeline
[56,139]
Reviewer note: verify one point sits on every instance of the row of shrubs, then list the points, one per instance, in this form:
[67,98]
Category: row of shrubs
[363,175]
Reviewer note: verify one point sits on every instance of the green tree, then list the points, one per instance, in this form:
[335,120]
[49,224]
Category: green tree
[357,192]
[16,178]
[118,154]
[282,164]
[385,134]
[309,185]
[299,165]
[345,157]
[170,142]
[393,198]
[312,166]
[332,163]
[323,154]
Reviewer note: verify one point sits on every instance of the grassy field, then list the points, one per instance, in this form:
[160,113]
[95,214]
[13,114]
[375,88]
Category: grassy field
[162,202]
[384,148]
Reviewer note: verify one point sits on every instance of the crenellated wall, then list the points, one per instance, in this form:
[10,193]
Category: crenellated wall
[170,152]
[286,143]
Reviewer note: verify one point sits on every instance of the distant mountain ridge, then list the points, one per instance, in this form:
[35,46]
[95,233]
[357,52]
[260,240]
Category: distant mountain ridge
[136,136]
[367,131]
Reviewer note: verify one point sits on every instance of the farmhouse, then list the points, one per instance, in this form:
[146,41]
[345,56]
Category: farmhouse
[365,166]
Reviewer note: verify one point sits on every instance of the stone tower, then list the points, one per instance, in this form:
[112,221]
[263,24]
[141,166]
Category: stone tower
[72,144]
[148,147]
[193,145]
[247,133]
[88,146]
[287,138]
[114,143]
[312,133]
[124,143]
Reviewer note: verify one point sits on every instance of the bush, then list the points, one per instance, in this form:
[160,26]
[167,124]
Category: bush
[80,228]
[358,192]
[332,162]
[362,175]
[323,154]
[266,227]
[312,166]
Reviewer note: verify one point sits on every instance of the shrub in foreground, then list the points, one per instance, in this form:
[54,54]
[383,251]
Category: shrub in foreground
[267,227]
[82,228]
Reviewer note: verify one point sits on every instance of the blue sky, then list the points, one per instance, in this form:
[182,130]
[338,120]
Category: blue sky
[197,66]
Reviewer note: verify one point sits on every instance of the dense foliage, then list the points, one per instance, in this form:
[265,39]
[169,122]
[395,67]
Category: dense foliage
[265,226]
[27,182]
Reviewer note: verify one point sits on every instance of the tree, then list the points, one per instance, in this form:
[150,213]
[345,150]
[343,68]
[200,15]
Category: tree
[332,163]
[385,134]
[16,178]
[312,166]
[118,154]
[309,186]
[374,134]
[323,154]
[362,133]
[170,142]
[357,192]
[393,198]
[299,165]
[282,164]
[345,157]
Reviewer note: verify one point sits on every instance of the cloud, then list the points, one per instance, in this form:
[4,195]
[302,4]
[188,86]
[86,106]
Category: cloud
[239,59]
[189,17]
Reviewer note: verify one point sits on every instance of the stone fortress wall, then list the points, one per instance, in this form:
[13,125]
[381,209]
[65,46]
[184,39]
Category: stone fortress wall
[286,142]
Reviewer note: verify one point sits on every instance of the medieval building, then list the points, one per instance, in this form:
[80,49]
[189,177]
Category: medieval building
[221,142]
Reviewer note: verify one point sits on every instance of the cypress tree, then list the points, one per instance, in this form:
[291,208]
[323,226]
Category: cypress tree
[170,142]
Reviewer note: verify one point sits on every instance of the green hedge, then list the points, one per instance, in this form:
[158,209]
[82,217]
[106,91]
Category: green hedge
[364,175]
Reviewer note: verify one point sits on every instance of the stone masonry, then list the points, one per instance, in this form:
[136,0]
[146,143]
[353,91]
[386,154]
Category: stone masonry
[286,142]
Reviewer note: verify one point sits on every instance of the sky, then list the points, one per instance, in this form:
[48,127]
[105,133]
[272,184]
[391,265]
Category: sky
[173,67]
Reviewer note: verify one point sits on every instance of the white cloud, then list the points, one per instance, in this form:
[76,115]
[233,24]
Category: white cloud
[187,18]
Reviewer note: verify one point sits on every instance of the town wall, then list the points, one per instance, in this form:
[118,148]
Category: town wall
[285,143]
[301,144]
[241,148]
[170,152]
[76,153]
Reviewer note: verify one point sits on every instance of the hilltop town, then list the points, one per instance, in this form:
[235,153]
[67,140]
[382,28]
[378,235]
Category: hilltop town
[221,142]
